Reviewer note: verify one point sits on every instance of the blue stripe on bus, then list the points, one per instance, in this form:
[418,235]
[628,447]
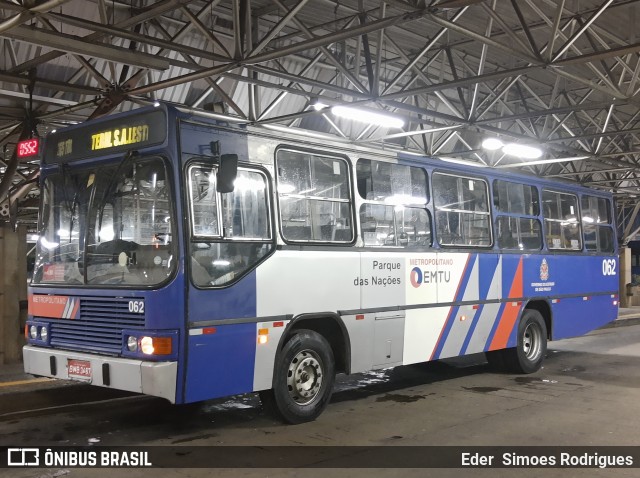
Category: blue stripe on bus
[487,265]
[472,328]
[487,269]
[464,281]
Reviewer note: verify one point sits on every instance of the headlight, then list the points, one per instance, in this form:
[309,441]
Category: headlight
[43,333]
[146,345]
[132,343]
[33,332]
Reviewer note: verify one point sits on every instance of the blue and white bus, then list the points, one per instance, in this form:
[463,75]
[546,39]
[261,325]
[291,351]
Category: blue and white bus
[190,259]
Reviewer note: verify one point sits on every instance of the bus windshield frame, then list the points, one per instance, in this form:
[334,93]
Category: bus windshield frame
[111,225]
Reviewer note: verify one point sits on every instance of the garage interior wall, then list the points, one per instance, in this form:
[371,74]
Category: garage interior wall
[13,292]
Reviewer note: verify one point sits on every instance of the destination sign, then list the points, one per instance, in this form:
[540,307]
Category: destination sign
[111,136]
[120,137]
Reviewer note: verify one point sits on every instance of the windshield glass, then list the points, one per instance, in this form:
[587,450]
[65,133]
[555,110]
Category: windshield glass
[108,226]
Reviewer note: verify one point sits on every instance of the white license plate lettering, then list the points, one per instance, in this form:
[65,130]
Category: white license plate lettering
[79,369]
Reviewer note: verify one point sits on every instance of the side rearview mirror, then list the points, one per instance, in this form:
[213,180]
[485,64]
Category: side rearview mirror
[227,173]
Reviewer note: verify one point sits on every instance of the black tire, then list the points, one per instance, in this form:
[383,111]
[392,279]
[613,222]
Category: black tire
[308,356]
[531,350]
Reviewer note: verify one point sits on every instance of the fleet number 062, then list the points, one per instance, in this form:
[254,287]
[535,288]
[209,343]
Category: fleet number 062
[136,306]
[609,267]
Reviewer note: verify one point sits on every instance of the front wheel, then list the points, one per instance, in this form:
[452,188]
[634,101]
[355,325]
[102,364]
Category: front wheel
[303,378]
[528,355]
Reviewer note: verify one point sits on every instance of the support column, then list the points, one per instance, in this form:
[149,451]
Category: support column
[13,292]
[624,267]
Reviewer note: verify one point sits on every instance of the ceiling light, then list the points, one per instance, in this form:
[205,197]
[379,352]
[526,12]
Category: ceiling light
[544,161]
[462,161]
[492,144]
[522,151]
[367,116]
[319,105]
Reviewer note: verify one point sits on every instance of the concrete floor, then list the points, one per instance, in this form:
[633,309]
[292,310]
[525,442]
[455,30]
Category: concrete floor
[588,393]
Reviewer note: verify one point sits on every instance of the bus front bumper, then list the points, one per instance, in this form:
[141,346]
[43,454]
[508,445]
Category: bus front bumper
[150,378]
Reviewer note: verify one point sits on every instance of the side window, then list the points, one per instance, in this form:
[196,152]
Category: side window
[391,183]
[518,233]
[462,211]
[560,211]
[244,211]
[392,215]
[230,232]
[314,197]
[515,198]
[204,201]
[596,224]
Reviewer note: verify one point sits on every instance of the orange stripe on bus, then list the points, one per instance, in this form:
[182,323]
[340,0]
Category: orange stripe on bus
[509,314]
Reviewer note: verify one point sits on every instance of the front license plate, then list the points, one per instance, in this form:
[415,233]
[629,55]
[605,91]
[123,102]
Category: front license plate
[79,369]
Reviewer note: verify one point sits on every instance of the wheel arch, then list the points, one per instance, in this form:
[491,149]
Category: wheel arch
[543,307]
[331,327]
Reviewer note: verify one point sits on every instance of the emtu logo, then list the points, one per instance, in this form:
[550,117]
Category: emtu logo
[416,277]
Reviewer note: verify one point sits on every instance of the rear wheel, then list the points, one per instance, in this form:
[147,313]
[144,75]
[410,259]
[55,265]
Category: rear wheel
[528,355]
[303,378]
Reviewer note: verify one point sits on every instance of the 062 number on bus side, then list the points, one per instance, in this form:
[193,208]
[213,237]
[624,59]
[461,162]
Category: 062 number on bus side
[608,267]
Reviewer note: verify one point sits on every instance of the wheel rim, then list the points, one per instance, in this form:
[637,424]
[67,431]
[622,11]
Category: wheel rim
[304,377]
[532,342]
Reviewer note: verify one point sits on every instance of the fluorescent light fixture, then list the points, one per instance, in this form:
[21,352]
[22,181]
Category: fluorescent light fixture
[522,151]
[544,161]
[319,105]
[367,116]
[302,132]
[492,144]
[417,132]
[463,161]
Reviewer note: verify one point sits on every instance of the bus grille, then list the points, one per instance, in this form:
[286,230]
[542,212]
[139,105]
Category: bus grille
[98,327]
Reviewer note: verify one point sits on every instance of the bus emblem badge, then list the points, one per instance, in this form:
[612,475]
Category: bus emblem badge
[416,277]
[544,270]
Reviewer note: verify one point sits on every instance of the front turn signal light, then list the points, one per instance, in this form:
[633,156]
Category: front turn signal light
[156,345]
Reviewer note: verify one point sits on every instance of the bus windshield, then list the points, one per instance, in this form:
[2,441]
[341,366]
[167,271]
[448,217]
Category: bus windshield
[111,225]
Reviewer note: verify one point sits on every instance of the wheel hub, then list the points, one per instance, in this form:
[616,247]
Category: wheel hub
[304,377]
[532,342]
